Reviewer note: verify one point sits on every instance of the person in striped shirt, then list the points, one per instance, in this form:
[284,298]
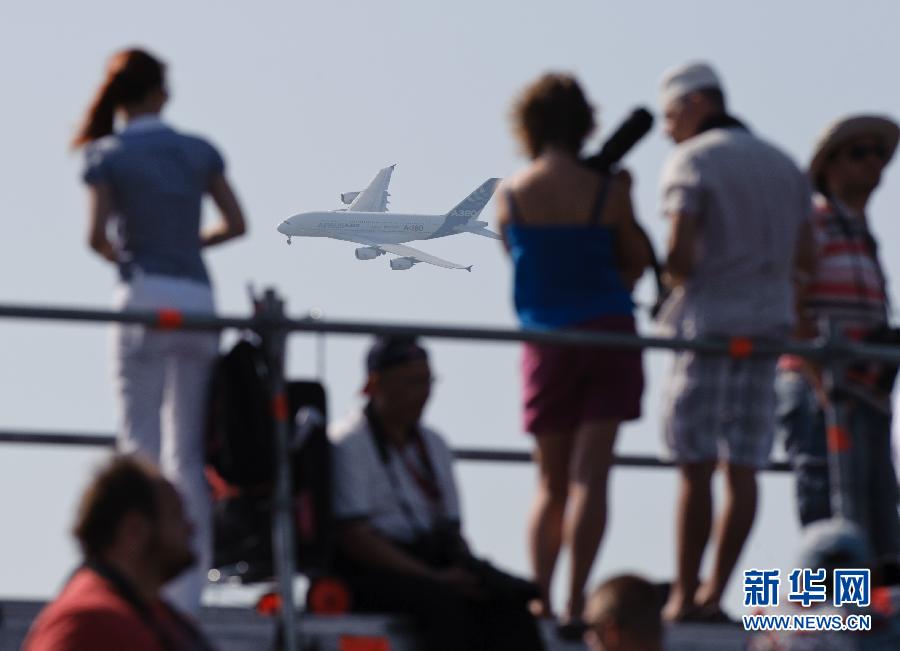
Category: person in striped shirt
[848,286]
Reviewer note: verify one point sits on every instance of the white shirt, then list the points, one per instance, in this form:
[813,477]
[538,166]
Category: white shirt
[365,488]
[751,201]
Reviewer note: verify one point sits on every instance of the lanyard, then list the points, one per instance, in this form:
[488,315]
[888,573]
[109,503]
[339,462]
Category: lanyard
[426,481]
[126,591]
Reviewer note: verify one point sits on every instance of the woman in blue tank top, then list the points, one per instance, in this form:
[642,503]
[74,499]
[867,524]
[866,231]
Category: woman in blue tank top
[576,252]
[148,181]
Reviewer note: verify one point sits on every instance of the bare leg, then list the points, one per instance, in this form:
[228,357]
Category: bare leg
[586,519]
[549,507]
[732,530]
[692,534]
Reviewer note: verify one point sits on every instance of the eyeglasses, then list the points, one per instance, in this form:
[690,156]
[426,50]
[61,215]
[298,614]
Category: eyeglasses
[861,152]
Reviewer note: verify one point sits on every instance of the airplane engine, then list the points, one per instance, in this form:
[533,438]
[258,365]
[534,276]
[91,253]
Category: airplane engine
[348,197]
[367,253]
[400,264]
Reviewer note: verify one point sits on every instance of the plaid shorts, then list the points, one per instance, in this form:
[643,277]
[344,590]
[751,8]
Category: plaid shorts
[721,408]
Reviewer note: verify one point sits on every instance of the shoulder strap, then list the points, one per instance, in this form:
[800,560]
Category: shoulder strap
[429,485]
[600,201]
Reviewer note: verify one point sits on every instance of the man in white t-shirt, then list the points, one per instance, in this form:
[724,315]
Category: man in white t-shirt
[739,212]
[398,522]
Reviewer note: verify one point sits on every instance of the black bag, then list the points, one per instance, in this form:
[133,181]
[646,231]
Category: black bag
[239,424]
[243,522]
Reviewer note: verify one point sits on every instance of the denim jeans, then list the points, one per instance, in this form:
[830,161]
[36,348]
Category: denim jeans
[801,422]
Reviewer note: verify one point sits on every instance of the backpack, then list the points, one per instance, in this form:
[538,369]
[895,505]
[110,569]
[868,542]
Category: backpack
[242,516]
[240,426]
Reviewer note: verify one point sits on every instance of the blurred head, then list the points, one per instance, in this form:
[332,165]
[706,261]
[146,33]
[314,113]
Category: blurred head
[130,509]
[552,112]
[623,614]
[851,153]
[689,95]
[399,379]
[834,544]
[134,83]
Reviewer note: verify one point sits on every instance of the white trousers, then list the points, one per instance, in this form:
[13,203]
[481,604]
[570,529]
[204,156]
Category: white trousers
[162,380]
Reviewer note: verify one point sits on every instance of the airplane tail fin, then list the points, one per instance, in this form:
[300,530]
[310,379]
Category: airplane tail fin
[471,206]
[468,209]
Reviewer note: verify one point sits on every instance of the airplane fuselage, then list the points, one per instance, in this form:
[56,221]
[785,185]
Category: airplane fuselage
[383,228]
[376,232]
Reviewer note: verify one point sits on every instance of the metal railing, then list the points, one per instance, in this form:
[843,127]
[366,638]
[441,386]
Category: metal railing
[483,455]
[272,326]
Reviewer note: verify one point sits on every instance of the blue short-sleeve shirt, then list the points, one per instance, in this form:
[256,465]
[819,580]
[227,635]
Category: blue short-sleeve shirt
[157,177]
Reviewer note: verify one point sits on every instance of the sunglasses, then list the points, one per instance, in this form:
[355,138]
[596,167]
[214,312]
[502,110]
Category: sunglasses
[861,152]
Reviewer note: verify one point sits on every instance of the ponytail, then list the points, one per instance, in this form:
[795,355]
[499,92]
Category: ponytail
[100,117]
[131,74]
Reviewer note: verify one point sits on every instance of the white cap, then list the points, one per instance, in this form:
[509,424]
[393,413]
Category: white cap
[678,82]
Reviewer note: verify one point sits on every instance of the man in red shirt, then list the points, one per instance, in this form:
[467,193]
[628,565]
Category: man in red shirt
[134,536]
[847,286]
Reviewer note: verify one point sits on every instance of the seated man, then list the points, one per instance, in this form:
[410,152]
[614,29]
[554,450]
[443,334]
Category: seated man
[135,539]
[395,502]
[623,614]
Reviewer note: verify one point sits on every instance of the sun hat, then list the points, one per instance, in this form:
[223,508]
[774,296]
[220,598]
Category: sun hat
[847,128]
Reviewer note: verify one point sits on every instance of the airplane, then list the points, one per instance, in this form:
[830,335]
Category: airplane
[366,221]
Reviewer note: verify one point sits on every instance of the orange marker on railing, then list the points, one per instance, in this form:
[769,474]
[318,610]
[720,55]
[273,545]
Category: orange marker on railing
[169,319]
[280,408]
[838,439]
[740,347]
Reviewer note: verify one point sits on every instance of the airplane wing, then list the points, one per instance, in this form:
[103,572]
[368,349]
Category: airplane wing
[415,255]
[375,197]
[421,256]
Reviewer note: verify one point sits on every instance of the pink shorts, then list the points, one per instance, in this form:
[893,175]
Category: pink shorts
[565,386]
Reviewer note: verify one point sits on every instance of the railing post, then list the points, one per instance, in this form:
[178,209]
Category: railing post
[840,438]
[316,314]
[270,312]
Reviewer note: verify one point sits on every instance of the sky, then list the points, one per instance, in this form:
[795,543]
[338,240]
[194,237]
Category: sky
[308,100]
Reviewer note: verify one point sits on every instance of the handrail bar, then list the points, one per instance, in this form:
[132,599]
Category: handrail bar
[489,455]
[740,347]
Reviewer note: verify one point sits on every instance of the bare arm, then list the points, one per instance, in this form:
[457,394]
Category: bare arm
[100,210]
[232,224]
[805,258]
[682,242]
[804,269]
[365,546]
[632,251]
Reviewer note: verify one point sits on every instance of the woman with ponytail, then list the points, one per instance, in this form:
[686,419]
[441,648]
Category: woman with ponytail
[146,183]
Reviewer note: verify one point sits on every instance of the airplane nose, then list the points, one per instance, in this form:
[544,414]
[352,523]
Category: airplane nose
[282,227]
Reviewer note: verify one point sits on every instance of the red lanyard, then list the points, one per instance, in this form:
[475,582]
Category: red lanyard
[427,482]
